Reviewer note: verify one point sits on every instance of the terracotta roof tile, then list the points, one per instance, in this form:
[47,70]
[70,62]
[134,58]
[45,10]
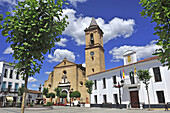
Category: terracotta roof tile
[34,91]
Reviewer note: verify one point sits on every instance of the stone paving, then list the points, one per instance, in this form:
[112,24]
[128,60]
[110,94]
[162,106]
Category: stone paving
[62,109]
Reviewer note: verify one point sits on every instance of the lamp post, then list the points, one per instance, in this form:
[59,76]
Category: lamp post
[119,85]
[70,95]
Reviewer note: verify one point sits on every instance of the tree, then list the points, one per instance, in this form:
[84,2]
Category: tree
[63,95]
[45,91]
[32,31]
[144,76]
[159,11]
[20,91]
[58,90]
[89,85]
[76,94]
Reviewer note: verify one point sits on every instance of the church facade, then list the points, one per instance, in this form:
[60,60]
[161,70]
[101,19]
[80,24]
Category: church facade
[69,75]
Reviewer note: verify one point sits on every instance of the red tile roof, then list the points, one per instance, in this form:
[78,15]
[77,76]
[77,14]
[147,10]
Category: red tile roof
[34,91]
[147,59]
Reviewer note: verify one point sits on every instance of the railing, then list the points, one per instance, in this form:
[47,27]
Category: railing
[130,81]
[9,90]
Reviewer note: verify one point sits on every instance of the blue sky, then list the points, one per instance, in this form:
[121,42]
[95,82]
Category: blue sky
[124,29]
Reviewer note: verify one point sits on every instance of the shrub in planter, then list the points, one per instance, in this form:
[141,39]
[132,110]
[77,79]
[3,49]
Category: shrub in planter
[52,95]
[63,95]
[49,104]
[76,94]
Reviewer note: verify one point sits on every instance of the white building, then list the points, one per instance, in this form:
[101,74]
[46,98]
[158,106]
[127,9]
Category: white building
[10,81]
[133,93]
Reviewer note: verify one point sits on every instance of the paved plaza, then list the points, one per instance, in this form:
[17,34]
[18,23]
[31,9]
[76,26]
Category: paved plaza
[62,109]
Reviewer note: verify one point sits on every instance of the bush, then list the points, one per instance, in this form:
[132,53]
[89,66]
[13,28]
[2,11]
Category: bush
[49,104]
[76,94]
[31,105]
[50,95]
[63,95]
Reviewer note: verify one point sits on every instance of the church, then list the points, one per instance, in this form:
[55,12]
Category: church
[69,75]
[116,87]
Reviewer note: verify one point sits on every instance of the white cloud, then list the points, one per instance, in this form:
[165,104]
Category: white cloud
[8,50]
[115,28]
[34,85]
[47,73]
[74,2]
[84,64]
[31,79]
[61,42]
[60,54]
[141,51]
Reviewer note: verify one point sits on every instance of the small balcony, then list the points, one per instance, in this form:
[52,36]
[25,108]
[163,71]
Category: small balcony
[130,82]
[9,90]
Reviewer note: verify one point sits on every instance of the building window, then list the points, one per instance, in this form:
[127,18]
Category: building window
[9,86]
[11,72]
[5,74]
[104,99]
[114,79]
[16,87]
[22,85]
[17,75]
[95,99]
[92,69]
[91,39]
[157,74]
[104,83]
[160,95]
[3,85]
[95,84]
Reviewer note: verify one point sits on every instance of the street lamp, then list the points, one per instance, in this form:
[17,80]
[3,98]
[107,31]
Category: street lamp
[70,95]
[119,85]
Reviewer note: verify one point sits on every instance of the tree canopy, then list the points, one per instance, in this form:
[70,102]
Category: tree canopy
[45,91]
[89,85]
[76,94]
[57,90]
[159,11]
[144,76]
[63,95]
[32,31]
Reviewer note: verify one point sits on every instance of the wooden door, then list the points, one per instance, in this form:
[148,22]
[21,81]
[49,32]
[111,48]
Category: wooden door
[134,99]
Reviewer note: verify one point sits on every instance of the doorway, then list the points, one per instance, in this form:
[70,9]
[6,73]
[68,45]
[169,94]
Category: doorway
[134,99]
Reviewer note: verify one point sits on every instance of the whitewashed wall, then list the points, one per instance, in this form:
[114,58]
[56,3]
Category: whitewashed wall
[153,86]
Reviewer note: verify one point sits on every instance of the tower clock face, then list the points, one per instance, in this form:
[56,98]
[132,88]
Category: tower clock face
[92,53]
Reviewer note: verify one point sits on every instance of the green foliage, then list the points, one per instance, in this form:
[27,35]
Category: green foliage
[20,91]
[89,85]
[159,11]
[49,104]
[144,76]
[63,95]
[31,105]
[45,91]
[52,95]
[57,90]
[33,31]
[76,94]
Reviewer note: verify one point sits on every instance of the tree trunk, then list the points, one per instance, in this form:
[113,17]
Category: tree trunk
[24,95]
[148,96]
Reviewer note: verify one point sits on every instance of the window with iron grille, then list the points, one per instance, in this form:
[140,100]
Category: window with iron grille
[157,74]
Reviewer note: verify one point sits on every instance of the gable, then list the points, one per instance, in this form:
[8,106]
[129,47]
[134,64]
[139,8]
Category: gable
[64,63]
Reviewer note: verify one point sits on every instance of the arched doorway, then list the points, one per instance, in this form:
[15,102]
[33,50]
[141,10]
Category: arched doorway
[63,100]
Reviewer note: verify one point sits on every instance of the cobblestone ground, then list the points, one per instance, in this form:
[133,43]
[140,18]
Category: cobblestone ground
[62,109]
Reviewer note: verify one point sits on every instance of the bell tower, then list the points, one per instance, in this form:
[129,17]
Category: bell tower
[94,52]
